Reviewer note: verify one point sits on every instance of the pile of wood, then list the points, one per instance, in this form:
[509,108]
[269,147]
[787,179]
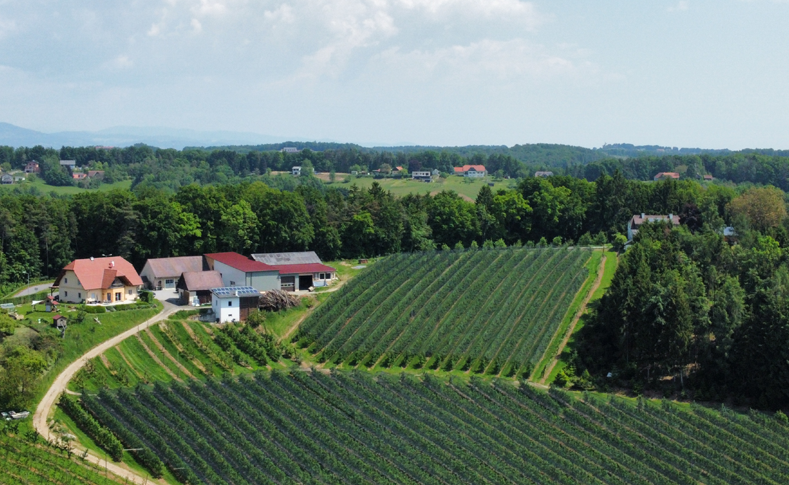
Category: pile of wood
[276,300]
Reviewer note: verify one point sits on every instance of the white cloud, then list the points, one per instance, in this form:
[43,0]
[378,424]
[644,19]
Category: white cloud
[681,6]
[197,27]
[120,62]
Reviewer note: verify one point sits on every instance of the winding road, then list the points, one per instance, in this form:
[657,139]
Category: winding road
[46,407]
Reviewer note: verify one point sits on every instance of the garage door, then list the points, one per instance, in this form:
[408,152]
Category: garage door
[305,281]
[169,283]
[288,283]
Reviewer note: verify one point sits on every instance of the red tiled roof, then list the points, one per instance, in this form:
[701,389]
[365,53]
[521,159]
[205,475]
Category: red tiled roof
[673,175]
[466,168]
[240,262]
[304,268]
[57,317]
[99,273]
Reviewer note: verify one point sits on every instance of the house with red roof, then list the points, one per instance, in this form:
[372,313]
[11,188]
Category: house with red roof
[471,171]
[298,270]
[238,270]
[98,280]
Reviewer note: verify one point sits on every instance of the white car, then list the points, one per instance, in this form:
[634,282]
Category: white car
[21,415]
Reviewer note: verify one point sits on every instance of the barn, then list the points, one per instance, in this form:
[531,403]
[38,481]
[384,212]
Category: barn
[233,304]
[195,286]
[298,270]
[238,270]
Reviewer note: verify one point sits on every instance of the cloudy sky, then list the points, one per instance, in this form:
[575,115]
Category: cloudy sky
[690,73]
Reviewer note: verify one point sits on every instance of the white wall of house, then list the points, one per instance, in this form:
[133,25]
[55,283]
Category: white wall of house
[226,309]
[230,276]
[162,282]
[71,291]
[474,174]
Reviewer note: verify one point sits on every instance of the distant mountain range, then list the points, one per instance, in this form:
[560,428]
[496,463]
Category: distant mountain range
[123,136]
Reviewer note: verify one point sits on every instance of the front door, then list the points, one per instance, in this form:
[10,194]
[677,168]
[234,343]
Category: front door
[109,297]
[118,296]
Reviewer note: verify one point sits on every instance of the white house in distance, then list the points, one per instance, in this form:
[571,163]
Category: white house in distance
[295,171]
[543,174]
[471,171]
[637,220]
[238,270]
[423,175]
[163,273]
[98,280]
[298,270]
[234,304]
[290,150]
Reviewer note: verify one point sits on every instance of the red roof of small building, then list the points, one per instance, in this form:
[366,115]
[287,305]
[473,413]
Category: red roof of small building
[673,175]
[466,168]
[57,317]
[240,262]
[79,176]
[99,273]
[304,268]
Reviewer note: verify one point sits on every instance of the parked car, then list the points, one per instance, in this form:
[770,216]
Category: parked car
[19,415]
[6,416]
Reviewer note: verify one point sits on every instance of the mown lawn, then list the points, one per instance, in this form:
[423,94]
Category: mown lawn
[41,188]
[469,188]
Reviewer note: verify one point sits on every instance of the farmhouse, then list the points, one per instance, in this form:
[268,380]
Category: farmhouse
[107,280]
[290,150]
[637,220]
[32,167]
[233,304]
[6,179]
[666,175]
[543,174]
[471,171]
[79,176]
[195,286]
[295,171]
[238,270]
[709,177]
[163,273]
[300,270]
[423,175]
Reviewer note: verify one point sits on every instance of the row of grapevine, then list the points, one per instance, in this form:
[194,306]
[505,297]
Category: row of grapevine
[23,462]
[484,311]
[354,427]
[101,435]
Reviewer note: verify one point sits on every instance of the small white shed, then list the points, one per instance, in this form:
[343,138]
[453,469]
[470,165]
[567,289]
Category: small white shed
[233,304]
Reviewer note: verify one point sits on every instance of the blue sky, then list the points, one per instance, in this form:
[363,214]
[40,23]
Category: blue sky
[691,73]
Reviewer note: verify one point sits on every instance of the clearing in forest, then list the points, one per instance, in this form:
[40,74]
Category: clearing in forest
[491,311]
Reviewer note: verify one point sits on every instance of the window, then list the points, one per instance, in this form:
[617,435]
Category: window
[79,295]
[65,280]
[230,303]
[232,283]
[65,293]
[129,291]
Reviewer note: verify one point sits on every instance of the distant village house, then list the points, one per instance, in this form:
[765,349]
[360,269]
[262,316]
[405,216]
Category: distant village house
[471,171]
[163,273]
[422,175]
[543,174]
[638,220]
[295,171]
[238,270]
[666,175]
[32,167]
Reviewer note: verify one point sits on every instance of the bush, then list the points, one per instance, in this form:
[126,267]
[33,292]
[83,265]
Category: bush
[94,309]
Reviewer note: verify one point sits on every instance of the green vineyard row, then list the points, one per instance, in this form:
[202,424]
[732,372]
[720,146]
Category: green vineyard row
[486,311]
[352,427]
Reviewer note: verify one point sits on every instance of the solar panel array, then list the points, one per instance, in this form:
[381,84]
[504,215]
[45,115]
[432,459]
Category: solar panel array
[232,290]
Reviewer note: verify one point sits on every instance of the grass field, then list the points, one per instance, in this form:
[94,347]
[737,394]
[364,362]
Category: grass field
[24,462]
[42,188]
[469,188]
[353,427]
[481,311]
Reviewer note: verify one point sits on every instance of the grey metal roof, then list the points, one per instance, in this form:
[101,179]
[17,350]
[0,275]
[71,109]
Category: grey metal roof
[163,267]
[279,259]
[234,291]
[68,162]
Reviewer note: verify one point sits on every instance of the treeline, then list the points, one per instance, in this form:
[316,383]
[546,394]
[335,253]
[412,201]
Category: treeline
[40,234]
[690,312]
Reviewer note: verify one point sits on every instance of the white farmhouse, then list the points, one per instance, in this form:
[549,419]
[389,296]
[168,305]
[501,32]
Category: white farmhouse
[233,304]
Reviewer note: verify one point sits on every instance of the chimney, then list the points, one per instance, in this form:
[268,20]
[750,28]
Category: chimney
[671,217]
[91,258]
[112,264]
[643,216]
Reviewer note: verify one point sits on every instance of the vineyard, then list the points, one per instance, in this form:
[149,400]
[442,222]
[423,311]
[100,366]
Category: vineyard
[351,427]
[26,463]
[178,349]
[483,311]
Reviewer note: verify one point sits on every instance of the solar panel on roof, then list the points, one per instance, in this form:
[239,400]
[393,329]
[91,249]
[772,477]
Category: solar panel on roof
[235,291]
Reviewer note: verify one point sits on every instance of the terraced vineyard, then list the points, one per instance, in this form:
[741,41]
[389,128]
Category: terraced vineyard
[25,463]
[491,311]
[351,427]
[177,349]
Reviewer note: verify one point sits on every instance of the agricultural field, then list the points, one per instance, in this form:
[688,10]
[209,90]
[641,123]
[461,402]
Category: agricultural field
[39,187]
[177,350]
[467,188]
[24,463]
[482,311]
[353,427]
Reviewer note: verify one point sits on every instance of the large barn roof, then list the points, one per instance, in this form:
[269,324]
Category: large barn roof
[162,267]
[280,259]
[240,262]
[200,280]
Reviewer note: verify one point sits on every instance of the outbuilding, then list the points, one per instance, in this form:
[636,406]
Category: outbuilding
[163,273]
[238,270]
[59,321]
[195,286]
[233,304]
[298,270]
